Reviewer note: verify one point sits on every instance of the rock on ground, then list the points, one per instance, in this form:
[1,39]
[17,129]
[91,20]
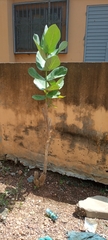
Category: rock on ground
[94,207]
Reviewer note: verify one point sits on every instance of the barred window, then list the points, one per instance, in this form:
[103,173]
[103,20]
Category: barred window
[30,18]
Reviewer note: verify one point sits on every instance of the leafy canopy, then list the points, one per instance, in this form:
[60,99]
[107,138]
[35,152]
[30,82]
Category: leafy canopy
[47,61]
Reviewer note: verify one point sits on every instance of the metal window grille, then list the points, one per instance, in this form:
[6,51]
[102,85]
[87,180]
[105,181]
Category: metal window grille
[30,18]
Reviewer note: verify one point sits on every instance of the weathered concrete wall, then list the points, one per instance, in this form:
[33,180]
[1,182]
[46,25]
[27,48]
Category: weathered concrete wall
[79,145]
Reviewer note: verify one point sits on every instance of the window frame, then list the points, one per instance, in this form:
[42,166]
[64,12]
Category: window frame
[30,3]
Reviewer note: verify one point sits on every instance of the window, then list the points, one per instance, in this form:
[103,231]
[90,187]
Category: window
[96,39]
[30,18]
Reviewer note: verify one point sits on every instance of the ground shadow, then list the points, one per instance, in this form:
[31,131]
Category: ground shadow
[57,187]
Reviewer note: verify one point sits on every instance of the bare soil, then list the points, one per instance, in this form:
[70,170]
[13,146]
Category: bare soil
[27,204]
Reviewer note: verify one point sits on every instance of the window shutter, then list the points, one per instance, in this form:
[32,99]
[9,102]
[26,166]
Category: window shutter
[96,39]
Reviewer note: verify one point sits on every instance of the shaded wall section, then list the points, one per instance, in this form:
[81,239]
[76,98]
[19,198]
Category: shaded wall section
[79,145]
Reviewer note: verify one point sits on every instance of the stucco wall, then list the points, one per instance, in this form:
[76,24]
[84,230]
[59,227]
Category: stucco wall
[76,31]
[79,145]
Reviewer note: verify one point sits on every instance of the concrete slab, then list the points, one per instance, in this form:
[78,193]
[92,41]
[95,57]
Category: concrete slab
[94,207]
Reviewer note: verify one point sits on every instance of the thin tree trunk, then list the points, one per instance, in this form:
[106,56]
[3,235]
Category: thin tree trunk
[49,130]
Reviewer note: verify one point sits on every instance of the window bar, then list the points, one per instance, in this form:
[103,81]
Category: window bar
[42,27]
[26,15]
[31,25]
[17,28]
[52,14]
[56,18]
[49,12]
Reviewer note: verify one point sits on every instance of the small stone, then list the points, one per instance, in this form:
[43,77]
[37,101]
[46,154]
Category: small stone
[30,179]
[23,190]
[20,172]
[3,214]
[12,174]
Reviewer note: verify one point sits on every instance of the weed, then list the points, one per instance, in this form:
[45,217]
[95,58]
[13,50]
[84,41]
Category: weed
[5,170]
[61,181]
[103,191]
[3,200]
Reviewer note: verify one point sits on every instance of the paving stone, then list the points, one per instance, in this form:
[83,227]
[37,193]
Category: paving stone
[94,207]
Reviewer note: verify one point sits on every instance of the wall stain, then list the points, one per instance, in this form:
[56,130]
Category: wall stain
[17,138]
[21,144]
[86,83]
[6,137]
[40,126]
[84,137]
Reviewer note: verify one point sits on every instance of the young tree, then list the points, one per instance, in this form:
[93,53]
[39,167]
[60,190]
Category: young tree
[47,61]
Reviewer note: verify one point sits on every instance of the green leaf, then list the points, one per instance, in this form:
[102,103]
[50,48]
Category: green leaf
[40,84]
[56,73]
[39,97]
[32,72]
[40,62]
[60,82]
[36,41]
[52,63]
[42,53]
[42,39]
[62,46]
[53,94]
[53,53]
[54,86]
[51,38]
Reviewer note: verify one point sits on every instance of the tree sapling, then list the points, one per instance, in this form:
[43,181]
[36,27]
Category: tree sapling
[47,61]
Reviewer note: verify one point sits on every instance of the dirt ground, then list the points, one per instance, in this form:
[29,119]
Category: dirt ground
[26,218]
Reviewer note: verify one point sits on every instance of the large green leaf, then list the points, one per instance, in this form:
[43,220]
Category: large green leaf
[51,38]
[39,97]
[40,84]
[33,73]
[40,62]
[62,46]
[52,63]
[56,73]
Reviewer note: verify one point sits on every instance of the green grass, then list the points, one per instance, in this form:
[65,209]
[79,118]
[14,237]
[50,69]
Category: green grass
[3,200]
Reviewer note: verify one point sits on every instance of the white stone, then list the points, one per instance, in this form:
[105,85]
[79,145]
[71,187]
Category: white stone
[94,207]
